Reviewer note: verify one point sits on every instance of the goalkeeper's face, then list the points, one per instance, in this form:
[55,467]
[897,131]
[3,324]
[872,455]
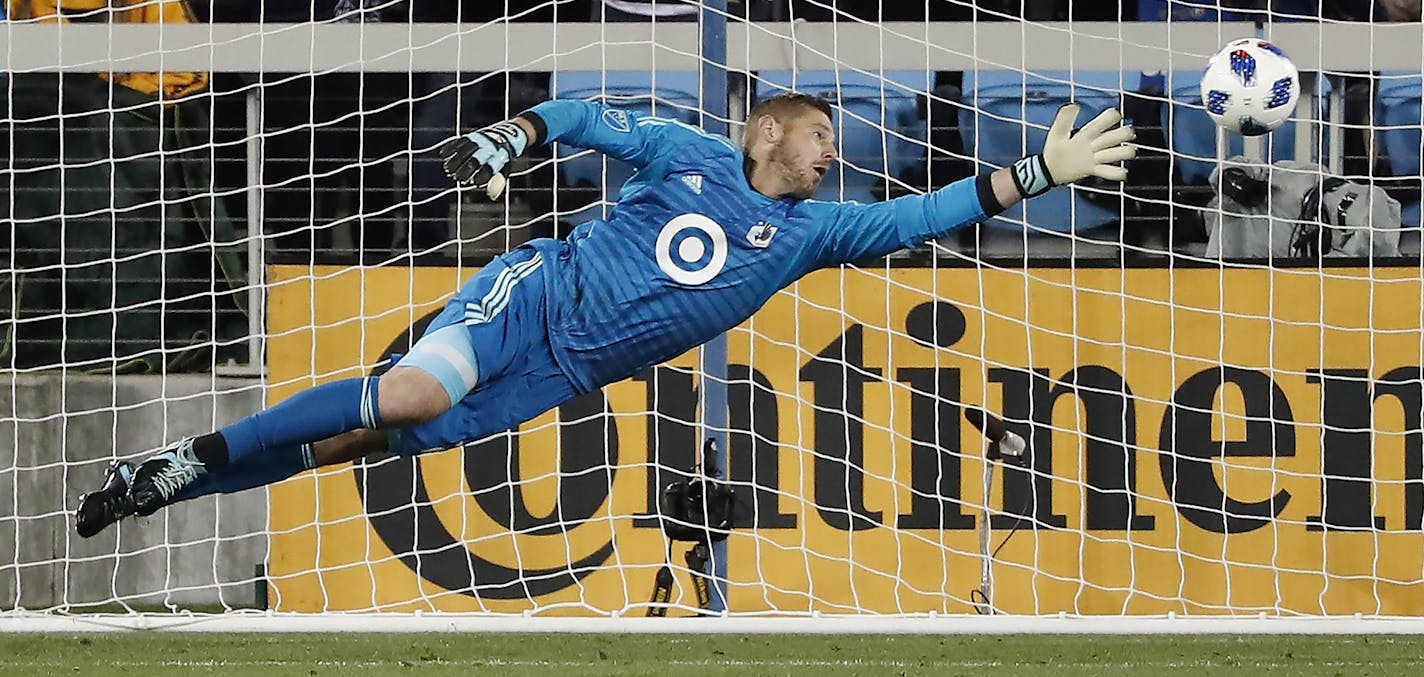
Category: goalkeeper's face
[804,153]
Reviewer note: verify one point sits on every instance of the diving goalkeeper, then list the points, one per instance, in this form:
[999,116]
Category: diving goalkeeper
[701,236]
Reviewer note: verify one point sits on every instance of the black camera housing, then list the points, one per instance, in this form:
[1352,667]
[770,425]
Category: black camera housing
[698,509]
[1242,188]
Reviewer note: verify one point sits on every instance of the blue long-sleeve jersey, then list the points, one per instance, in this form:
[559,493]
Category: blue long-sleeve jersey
[691,250]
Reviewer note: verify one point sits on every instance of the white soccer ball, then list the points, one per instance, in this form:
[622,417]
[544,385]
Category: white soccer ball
[1250,87]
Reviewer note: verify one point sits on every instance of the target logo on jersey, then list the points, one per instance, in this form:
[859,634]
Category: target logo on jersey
[691,249]
[1250,87]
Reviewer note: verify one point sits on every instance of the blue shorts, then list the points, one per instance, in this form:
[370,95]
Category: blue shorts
[499,371]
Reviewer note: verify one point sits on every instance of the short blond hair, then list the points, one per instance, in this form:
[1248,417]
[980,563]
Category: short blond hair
[783,108]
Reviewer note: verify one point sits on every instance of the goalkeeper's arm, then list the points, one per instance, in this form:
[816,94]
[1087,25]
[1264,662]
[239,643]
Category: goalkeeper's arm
[481,158]
[861,231]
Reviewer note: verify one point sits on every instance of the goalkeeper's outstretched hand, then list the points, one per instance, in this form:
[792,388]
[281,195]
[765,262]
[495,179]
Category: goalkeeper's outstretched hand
[480,158]
[1069,157]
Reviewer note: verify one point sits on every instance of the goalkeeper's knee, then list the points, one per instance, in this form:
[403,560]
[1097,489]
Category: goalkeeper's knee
[438,372]
[408,395]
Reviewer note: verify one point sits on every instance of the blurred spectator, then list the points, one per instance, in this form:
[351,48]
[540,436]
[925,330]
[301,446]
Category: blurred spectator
[329,141]
[446,104]
[683,10]
[874,10]
[642,10]
[1363,156]
[1196,10]
[973,10]
[169,85]
[1401,10]
[1370,10]
[356,11]
[109,211]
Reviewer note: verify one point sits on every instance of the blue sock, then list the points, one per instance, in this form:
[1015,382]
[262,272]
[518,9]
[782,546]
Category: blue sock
[273,466]
[309,416]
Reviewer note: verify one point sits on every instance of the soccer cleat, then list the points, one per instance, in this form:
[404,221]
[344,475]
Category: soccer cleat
[162,476]
[111,503]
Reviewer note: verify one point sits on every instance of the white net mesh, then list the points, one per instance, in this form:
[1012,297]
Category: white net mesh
[1219,419]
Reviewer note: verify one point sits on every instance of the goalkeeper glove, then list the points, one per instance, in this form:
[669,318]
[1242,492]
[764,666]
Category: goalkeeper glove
[1068,157]
[480,158]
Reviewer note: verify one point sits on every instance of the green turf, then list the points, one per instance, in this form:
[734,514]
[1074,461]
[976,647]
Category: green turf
[278,655]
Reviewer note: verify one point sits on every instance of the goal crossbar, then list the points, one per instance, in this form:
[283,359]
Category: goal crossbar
[295,48]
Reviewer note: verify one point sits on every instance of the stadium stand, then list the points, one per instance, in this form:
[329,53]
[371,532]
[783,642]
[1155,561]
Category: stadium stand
[997,102]
[1398,115]
[671,94]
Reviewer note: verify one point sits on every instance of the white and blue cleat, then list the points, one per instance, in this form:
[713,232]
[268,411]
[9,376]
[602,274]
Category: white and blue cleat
[162,476]
[111,503]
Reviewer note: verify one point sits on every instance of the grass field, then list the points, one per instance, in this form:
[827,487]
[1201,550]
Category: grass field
[279,655]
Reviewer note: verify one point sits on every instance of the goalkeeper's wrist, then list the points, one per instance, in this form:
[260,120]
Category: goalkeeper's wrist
[536,122]
[509,135]
[1031,176]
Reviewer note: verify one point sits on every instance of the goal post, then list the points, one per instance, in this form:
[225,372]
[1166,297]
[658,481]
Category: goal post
[716,100]
[1213,446]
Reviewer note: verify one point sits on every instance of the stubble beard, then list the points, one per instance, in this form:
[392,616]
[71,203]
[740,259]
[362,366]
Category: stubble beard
[803,181]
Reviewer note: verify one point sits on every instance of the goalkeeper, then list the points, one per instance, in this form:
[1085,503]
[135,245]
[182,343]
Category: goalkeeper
[701,236]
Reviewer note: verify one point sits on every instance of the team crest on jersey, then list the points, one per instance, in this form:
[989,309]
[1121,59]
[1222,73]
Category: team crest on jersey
[694,182]
[760,234]
[616,119]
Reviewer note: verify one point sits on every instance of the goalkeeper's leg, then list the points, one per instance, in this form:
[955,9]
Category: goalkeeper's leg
[281,437]
[336,418]
[275,444]
[492,310]
[112,501]
[275,467]
[440,369]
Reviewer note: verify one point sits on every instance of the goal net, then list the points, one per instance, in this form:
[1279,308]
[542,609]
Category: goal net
[209,208]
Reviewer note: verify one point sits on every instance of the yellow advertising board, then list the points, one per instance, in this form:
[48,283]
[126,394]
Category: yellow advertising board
[1204,441]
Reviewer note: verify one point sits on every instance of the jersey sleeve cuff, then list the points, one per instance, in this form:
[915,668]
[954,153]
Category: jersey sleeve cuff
[988,201]
[541,128]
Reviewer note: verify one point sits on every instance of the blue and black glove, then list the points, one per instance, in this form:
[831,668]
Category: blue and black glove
[480,158]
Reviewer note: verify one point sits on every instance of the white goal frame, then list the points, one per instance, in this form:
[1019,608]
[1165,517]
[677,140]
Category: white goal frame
[301,48]
[247,621]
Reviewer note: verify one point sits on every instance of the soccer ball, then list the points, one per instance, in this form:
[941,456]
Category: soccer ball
[1250,87]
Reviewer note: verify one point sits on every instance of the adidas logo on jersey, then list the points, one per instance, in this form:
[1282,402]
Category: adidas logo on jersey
[760,234]
[694,182]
